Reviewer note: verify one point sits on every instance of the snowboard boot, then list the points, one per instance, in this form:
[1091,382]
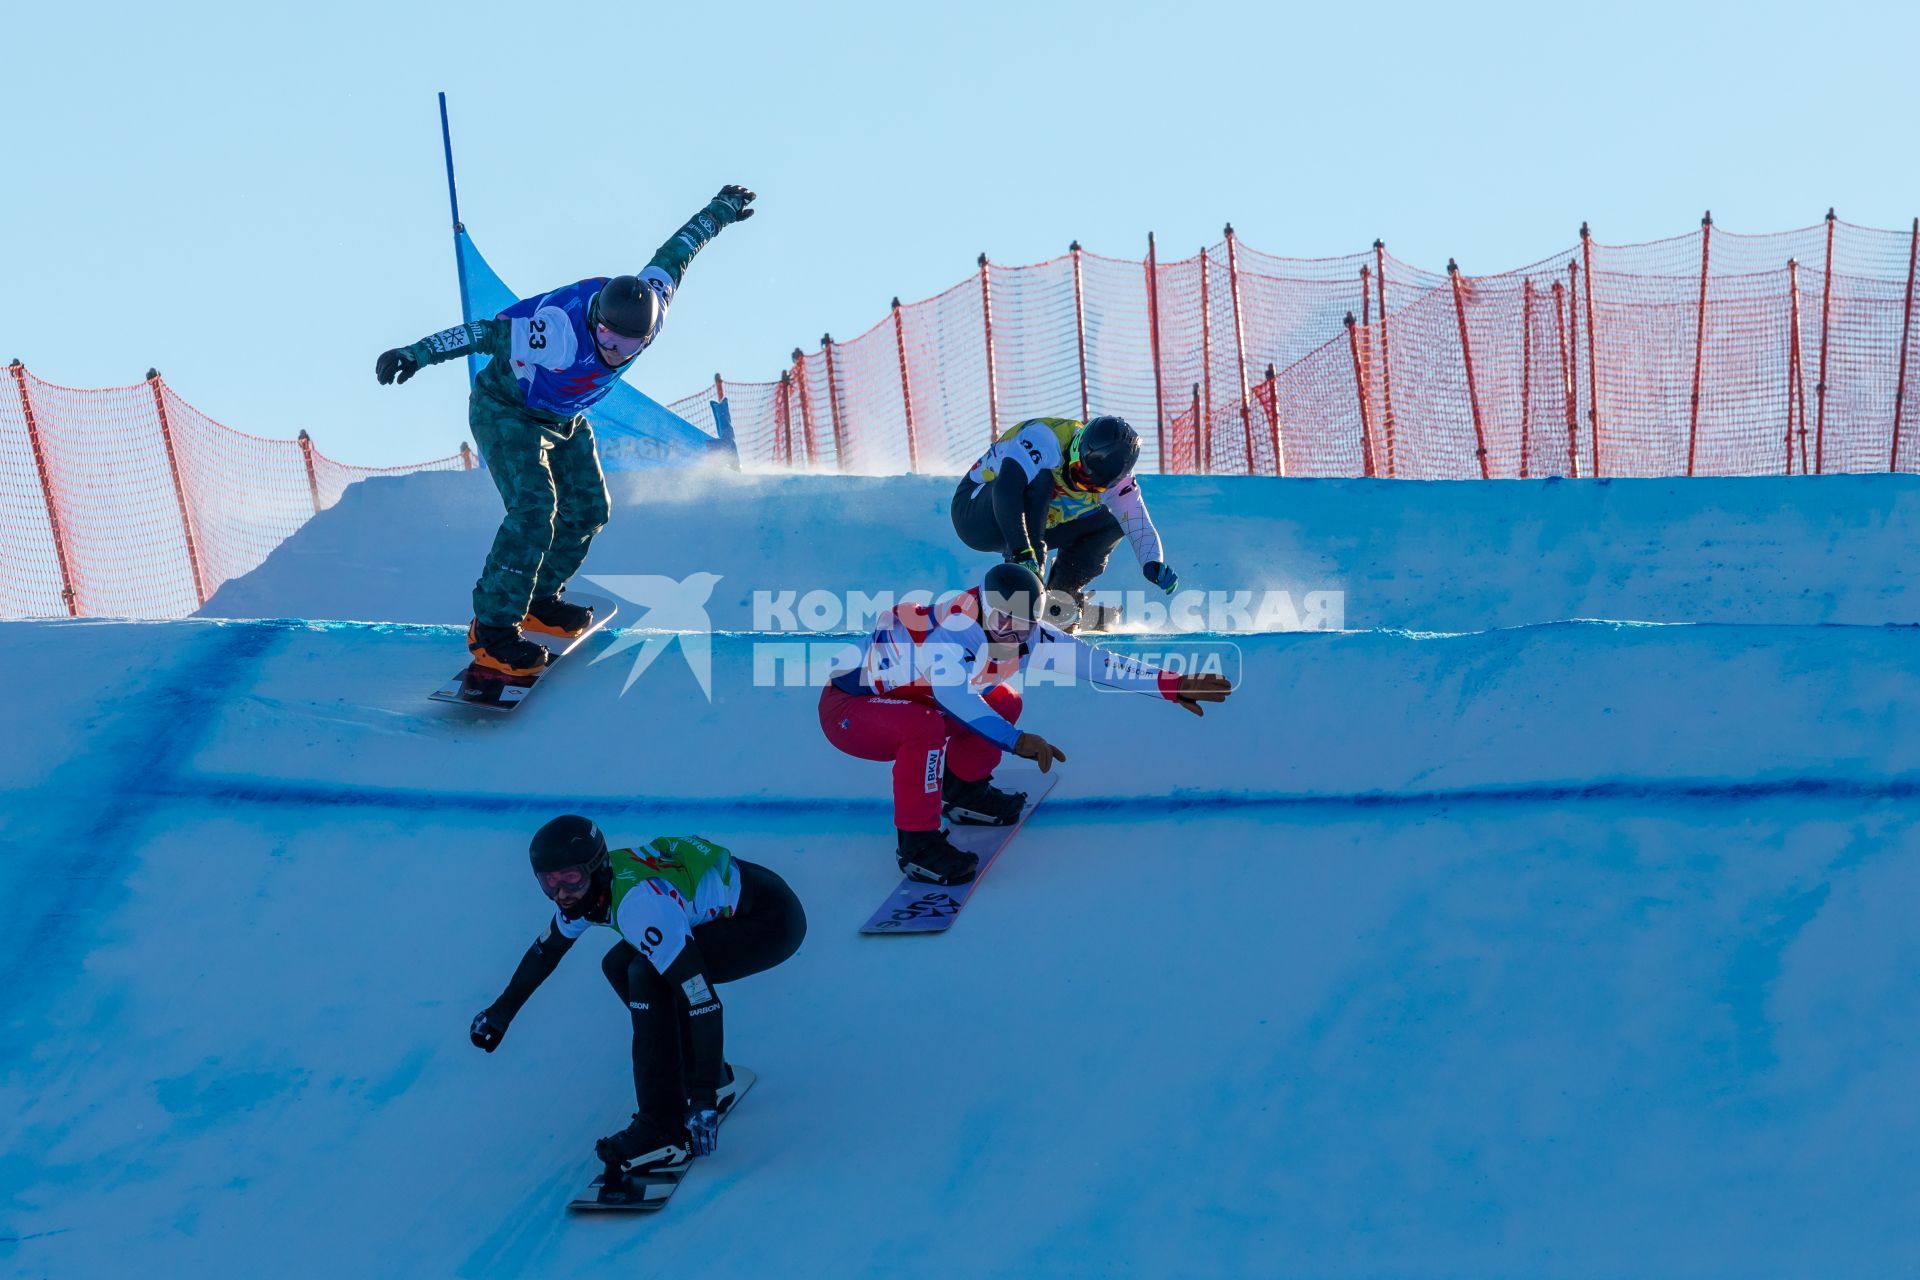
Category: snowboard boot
[550,615]
[980,803]
[929,857]
[1072,611]
[1061,608]
[644,1147]
[505,650]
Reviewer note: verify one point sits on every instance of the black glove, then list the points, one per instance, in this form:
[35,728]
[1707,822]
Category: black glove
[1027,557]
[395,362]
[485,1032]
[730,206]
[703,1128]
[1161,576]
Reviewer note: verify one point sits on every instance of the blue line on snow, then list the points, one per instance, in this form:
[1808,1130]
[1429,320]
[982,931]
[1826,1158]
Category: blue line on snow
[241,789]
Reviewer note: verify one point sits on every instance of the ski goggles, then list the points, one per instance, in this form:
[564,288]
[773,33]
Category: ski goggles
[569,880]
[617,344]
[1080,478]
[1004,627]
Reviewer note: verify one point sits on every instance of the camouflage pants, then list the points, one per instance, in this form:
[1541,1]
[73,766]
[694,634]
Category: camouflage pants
[556,498]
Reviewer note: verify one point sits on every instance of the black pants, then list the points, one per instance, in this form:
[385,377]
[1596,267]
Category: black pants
[1083,544]
[764,930]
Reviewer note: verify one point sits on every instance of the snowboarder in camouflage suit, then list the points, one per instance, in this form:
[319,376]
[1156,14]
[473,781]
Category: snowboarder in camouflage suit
[552,357]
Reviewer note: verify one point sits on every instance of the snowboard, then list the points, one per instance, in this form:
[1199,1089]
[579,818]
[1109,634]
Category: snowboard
[919,907]
[647,1192]
[478,686]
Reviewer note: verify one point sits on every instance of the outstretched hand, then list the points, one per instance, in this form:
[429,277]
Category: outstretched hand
[485,1032]
[730,206]
[1195,690]
[1031,746]
[395,366]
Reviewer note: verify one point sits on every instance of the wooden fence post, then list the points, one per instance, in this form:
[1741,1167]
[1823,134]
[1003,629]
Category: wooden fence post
[313,477]
[1360,387]
[1080,325]
[806,408]
[179,488]
[1240,346]
[1526,372]
[1796,379]
[1386,355]
[68,595]
[466,456]
[906,387]
[783,421]
[833,406]
[1820,387]
[1906,335]
[1593,361]
[1273,425]
[1466,354]
[1568,372]
[1699,339]
[993,383]
[1204,429]
[1196,429]
[1153,326]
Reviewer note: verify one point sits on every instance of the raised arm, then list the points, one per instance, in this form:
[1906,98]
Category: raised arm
[725,209]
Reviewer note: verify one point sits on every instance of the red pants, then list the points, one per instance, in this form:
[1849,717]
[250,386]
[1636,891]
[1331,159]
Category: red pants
[919,739]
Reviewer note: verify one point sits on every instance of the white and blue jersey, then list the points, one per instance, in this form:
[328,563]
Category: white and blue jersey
[944,658]
[553,355]
[543,351]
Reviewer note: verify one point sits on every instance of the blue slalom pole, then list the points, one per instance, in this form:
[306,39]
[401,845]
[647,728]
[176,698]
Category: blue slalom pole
[453,201]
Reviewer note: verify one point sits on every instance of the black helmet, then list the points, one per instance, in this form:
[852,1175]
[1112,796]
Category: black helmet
[570,855]
[627,307]
[1014,590]
[1107,448]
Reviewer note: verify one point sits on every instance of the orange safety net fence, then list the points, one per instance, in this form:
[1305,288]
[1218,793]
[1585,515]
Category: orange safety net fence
[1706,354]
[129,502]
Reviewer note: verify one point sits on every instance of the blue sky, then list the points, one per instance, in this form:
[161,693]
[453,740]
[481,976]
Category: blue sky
[254,200]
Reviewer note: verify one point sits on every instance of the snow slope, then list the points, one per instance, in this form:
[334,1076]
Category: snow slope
[1427,556]
[1569,949]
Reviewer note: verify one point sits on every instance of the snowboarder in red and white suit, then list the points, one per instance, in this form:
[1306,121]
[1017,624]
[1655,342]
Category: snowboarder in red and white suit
[927,691]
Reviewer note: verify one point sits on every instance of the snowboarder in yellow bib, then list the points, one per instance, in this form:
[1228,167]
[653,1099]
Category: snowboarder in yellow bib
[690,916]
[1060,485]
